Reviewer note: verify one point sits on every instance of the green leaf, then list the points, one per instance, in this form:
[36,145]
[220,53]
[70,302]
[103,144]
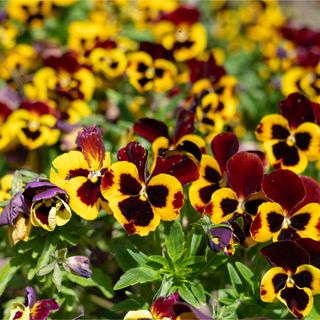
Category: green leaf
[187,295]
[98,280]
[57,277]
[194,241]
[175,242]
[234,278]
[191,260]
[127,305]
[136,275]
[159,260]
[6,274]
[46,269]
[199,292]
[247,274]
[139,257]
[61,254]
[43,259]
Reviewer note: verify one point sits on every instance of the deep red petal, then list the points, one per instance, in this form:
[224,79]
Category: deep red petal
[286,254]
[89,193]
[136,154]
[297,109]
[185,124]
[223,147]
[312,188]
[182,14]
[150,129]
[244,172]
[313,249]
[179,166]
[283,187]
[43,308]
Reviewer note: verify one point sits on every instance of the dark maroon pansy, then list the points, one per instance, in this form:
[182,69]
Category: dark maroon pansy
[244,173]
[224,146]
[136,154]
[284,187]
[183,14]
[162,307]
[5,111]
[286,254]
[297,109]
[180,166]
[43,308]
[305,36]
[67,62]
[205,70]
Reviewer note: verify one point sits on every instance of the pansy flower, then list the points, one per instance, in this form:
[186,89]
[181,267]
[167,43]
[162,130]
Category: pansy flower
[8,31]
[49,205]
[292,279]
[138,201]
[213,170]
[32,308]
[181,32]
[80,172]
[242,196]
[33,124]
[292,138]
[293,209]
[148,74]
[111,63]
[220,238]
[183,139]
[64,78]
[5,187]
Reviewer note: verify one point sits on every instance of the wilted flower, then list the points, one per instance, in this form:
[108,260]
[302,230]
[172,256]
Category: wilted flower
[220,237]
[33,309]
[79,264]
[41,204]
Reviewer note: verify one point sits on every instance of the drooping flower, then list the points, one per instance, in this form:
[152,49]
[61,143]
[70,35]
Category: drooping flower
[292,138]
[32,308]
[49,205]
[139,201]
[80,172]
[79,264]
[220,237]
[292,279]
[293,210]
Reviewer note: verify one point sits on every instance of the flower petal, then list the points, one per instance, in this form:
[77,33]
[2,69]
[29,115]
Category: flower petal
[185,124]
[244,172]
[223,205]
[201,190]
[272,127]
[306,221]
[308,276]
[42,309]
[297,109]
[298,301]
[313,249]
[307,138]
[312,188]
[267,223]
[136,154]
[165,194]
[224,146]
[150,129]
[283,187]
[272,282]
[286,254]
